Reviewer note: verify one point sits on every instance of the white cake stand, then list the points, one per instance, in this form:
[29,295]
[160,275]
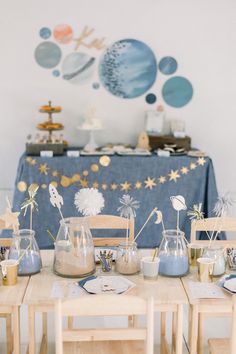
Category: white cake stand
[91,145]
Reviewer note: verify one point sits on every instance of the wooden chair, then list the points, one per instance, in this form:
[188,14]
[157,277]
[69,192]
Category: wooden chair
[111,222]
[104,340]
[225,346]
[212,224]
[6,242]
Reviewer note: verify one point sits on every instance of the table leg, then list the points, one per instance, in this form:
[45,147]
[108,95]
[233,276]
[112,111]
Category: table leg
[163,332]
[190,314]
[174,324]
[31,329]
[16,329]
[44,342]
[200,333]
[179,330]
[194,330]
[9,334]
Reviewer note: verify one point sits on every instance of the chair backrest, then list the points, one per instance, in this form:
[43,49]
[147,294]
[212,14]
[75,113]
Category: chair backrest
[213,224]
[104,305]
[4,242]
[111,222]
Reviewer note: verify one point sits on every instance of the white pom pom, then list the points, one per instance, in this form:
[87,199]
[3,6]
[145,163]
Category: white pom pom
[89,201]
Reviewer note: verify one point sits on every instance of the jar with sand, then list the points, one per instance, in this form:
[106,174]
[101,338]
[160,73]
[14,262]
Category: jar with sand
[127,260]
[74,249]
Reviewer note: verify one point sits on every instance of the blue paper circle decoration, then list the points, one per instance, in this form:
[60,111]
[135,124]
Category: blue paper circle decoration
[48,55]
[96,85]
[45,32]
[168,65]
[151,98]
[78,68]
[128,68]
[56,73]
[177,91]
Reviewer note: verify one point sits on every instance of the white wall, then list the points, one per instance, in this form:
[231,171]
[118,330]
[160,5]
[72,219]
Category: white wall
[199,34]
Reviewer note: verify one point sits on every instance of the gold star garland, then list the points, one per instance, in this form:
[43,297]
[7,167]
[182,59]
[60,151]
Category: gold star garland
[148,183]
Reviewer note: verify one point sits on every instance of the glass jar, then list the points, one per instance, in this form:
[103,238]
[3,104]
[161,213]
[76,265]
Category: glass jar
[74,249]
[25,248]
[173,254]
[127,259]
[217,254]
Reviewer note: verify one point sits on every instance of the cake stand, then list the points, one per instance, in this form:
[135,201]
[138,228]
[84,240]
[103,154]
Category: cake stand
[91,145]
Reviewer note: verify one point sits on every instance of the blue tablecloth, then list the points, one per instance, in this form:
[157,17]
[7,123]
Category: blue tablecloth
[149,179]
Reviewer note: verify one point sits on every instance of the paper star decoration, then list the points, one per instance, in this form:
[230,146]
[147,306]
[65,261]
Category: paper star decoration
[150,183]
[84,183]
[193,166]
[125,186]
[54,173]
[201,161]
[10,219]
[162,179]
[95,185]
[184,170]
[174,175]
[138,185]
[114,186]
[104,186]
[43,168]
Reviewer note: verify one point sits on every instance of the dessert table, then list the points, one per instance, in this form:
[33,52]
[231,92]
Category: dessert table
[11,298]
[168,293]
[149,179]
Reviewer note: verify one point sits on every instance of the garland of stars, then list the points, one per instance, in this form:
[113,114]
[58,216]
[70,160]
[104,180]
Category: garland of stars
[81,178]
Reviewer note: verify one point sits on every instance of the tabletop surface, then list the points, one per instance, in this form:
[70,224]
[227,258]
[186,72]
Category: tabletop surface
[164,290]
[13,294]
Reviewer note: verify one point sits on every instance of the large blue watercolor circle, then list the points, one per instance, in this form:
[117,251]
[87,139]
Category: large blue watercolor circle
[45,32]
[168,65]
[48,54]
[128,68]
[177,91]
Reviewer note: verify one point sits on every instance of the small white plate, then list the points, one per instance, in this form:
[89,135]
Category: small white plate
[230,285]
[108,285]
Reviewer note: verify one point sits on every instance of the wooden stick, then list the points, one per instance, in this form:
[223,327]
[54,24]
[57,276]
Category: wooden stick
[149,217]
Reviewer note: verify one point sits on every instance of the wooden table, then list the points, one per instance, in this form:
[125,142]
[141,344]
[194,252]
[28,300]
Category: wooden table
[200,308]
[169,296]
[11,298]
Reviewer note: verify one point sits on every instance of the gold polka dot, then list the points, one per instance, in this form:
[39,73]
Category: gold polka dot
[105,160]
[54,183]
[94,167]
[65,181]
[44,186]
[76,178]
[85,173]
[22,186]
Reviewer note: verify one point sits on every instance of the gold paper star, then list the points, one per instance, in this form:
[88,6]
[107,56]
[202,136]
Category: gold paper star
[85,173]
[54,173]
[174,175]
[184,170]
[201,161]
[193,166]
[138,185]
[10,219]
[114,186]
[162,179]
[43,168]
[104,186]
[84,183]
[150,183]
[95,185]
[125,186]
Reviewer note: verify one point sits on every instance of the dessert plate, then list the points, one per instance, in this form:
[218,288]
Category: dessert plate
[106,285]
[228,283]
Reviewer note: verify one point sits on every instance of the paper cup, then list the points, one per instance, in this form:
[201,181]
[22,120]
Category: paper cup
[150,268]
[195,251]
[9,270]
[205,269]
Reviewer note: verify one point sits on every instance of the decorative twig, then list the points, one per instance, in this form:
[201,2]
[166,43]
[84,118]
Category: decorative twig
[31,202]
[154,254]
[51,235]
[148,218]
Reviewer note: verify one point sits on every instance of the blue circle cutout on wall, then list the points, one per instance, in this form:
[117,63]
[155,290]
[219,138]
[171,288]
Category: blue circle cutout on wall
[177,91]
[128,68]
[45,32]
[56,73]
[48,54]
[168,65]
[151,98]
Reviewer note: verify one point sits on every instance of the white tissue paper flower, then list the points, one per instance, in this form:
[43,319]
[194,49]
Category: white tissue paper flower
[89,201]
